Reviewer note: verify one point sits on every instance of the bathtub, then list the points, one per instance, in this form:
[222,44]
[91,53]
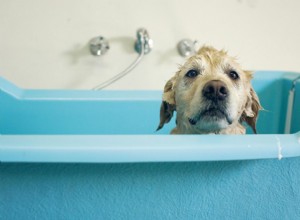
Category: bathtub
[70,154]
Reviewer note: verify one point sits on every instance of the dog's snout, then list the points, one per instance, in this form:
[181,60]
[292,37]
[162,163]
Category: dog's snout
[215,90]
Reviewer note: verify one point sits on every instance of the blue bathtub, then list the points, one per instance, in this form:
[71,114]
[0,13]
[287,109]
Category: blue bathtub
[96,155]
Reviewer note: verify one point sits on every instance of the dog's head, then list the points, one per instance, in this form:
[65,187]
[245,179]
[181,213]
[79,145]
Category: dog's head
[210,93]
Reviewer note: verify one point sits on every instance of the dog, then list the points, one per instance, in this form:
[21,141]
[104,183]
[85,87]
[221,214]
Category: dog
[211,94]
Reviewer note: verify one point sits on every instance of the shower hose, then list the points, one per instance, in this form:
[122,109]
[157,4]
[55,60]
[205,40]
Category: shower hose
[124,72]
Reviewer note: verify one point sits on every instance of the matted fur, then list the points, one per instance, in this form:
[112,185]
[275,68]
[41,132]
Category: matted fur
[185,95]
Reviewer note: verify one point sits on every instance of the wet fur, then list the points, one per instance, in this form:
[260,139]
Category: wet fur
[184,95]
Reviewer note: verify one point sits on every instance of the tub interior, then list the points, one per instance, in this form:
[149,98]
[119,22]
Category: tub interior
[124,112]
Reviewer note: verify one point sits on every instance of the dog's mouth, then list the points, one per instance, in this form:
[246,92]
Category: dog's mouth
[211,115]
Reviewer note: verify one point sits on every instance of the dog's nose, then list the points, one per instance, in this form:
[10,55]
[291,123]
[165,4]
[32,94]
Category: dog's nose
[215,90]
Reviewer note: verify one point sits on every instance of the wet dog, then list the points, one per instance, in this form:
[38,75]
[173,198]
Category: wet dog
[211,93]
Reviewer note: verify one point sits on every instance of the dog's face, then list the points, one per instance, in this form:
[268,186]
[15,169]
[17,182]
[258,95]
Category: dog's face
[211,94]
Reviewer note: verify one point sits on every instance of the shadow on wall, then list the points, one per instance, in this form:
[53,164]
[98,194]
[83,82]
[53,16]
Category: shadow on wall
[80,51]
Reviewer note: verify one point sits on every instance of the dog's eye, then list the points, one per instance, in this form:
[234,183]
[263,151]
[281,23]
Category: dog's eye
[192,73]
[233,75]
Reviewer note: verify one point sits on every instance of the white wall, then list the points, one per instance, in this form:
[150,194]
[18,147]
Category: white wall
[43,43]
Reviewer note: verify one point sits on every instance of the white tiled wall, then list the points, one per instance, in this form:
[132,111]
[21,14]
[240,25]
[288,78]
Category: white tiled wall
[43,43]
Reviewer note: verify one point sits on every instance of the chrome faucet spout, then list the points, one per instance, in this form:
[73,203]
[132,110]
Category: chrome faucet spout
[143,40]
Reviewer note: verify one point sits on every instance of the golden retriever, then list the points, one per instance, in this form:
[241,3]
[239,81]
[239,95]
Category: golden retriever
[211,95]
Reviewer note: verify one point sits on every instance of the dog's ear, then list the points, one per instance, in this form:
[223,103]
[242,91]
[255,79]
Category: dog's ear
[168,105]
[251,110]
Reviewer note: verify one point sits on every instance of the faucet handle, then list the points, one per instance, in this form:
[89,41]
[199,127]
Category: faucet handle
[143,40]
[99,46]
[187,47]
